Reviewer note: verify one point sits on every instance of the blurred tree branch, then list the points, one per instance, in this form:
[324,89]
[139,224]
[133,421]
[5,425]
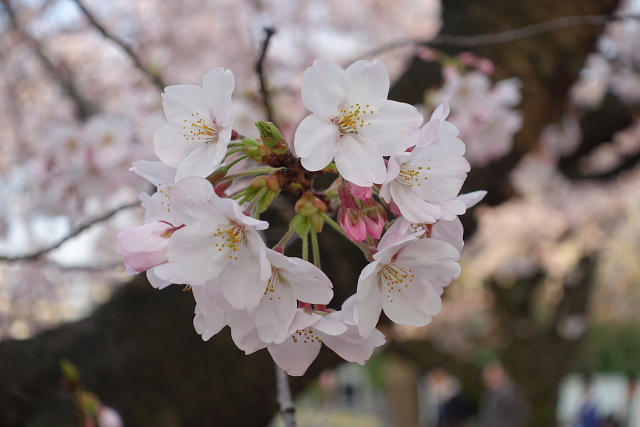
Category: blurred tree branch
[36,255]
[264,91]
[154,77]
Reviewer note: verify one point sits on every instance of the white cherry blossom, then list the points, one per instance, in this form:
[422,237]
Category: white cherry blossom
[200,121]
[353,121]
[400,281]
[218,242]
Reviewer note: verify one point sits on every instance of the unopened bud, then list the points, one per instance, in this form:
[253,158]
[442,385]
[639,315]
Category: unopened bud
[259,181]
[234,134]
[375,217]
[269,133]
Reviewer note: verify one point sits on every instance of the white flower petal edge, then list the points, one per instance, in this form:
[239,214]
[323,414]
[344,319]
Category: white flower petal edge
[402,283]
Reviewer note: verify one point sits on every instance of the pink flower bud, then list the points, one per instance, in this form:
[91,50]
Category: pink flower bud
[362,193]
[350,216]
[145,246]
[375,217]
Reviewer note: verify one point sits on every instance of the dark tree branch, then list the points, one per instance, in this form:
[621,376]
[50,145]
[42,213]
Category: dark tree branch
[264,92]
[502,37]
[157,80]
[85,108]
[36,255]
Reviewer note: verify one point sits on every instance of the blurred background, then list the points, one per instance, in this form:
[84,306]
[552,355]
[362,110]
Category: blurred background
[541,329]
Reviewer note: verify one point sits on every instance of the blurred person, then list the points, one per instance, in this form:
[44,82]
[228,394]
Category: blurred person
[588,415]
[632,412]
[453,410]
[503,404]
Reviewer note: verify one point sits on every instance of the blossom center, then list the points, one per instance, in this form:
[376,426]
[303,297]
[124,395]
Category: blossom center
[201,129]
[274,282]
[353,119]
[230,239]
[305,336]
[394,277]
[412,176]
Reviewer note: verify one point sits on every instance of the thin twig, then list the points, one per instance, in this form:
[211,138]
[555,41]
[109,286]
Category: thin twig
[503,37]
[287,410]
[34,256]
[157,80]
[264,92]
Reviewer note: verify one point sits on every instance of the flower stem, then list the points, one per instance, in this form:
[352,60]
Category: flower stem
[248,172]
[256,202]
[287,410]
[230,152]
[288,235]
[365,250]
[316,247]
[305,246]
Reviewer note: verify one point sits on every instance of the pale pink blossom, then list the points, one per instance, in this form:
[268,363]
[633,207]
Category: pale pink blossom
[400,281]
[353,121]
[200,120]
[218,242]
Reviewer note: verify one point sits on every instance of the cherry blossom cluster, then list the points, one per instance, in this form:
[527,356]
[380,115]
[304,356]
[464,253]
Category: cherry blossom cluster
[203,229]
[482,111]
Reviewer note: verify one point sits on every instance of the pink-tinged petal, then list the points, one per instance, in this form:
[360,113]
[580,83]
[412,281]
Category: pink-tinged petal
[201,161]
[181,101]
[275,312]
[194,200]
[450,232]
[234,213]
[367,81]
[352,347]
[145,238]
[433,258]
[451,209]
[303,320]
[240,280]
[360,162]
[258,251]
[316,142]
[211,309]
[366,311]
[412,303]
[395,233]
[428,133]
[442,173]
[171,147]
[311,285]
[412,207]
[442,111]
[393,170]
[193,254]
[155,281]
[218,85]
[368,279]
[329,327]
[250,342]
[156,173]
[392,127]
[295,357]
[324,88]
[447,138]
[473,198]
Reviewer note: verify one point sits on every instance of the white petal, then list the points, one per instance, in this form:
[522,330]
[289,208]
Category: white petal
[366,312]
[275,312]
[155,281]
[329,326]
[360,162]
[473,198]
[156,173]
[193,254]
[218,85]
[368,81]
[412,303]
[442,173]
[324,87]
[295,357]
[450,232]
[311,285]
[181,101]
[412,206]
[393,127]
[171,147]
[434,258]
[240,280]
[201,161]
[352,347]
[316,141]
[194,200]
